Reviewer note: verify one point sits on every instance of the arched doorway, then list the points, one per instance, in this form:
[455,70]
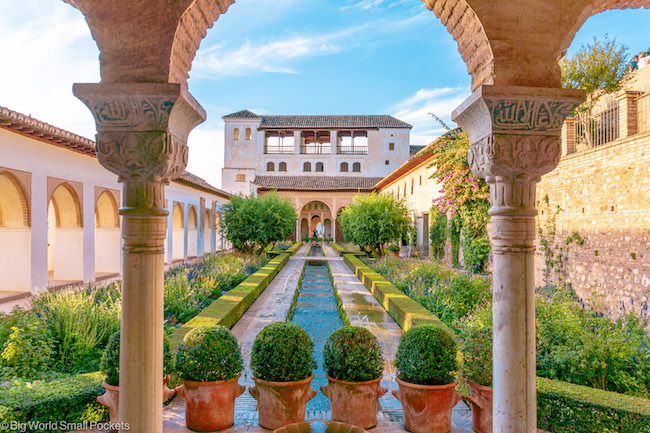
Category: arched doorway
[327,227]
[337,227]
[192,232]
[15,262]
[218,235]
[312,217]
[178,233]
[207,232]
[65,235]
[107,235]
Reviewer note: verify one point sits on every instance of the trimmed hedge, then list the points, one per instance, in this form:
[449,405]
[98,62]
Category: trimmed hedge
[72,399]
[293,249]
[229,308]
[404,310]
[342,251]
[562,407]
[565,407]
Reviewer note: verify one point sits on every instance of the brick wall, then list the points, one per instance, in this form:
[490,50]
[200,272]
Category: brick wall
[604,194]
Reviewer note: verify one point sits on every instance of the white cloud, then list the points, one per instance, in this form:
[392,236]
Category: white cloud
[45,48]
[415,110]
[274,56]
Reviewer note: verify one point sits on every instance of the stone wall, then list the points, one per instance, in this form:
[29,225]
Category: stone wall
[604,194]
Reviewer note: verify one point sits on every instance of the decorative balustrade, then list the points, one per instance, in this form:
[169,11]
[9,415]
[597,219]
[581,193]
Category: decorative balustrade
[352,150]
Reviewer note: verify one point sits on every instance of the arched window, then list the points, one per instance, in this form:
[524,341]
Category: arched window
[106,216]
[191,219]
[320,166]
[282,166]
[270,166]
[306,166]
[344,167]
[235,134]
[177,217]
[356,167]
[66,206]
[248,134]
[14,207]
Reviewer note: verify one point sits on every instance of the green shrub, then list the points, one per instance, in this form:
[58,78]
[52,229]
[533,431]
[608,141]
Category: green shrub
[282,352]
[477,355]
[393,248]
[426,355]
[28,349]
[209,354]
[353,354]
[72,399]
[438,233]
[475,253]
[110,362]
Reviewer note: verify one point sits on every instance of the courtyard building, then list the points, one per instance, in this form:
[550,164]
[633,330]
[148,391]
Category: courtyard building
[59,221]
[319,162]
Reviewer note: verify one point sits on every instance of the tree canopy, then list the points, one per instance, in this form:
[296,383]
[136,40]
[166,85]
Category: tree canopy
[374,220]
[253,223]
[599,68]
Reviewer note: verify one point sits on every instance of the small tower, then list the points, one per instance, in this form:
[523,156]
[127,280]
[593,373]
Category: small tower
[240,151]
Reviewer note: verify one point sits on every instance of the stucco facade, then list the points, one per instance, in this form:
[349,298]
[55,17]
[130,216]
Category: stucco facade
[59,217]
[341,146]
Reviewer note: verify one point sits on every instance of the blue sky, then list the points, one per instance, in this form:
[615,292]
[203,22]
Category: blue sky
[294,57]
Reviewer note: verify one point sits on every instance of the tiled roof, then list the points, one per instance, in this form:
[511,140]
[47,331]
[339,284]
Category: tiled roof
[41,131]
[309,122]
[316,183]
[34,128]
[302,122]
[244,114]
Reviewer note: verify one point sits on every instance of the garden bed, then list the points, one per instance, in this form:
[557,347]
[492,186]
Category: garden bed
[67,390]
[562,406]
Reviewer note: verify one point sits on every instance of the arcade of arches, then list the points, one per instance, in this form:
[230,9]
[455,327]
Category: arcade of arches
[513,119]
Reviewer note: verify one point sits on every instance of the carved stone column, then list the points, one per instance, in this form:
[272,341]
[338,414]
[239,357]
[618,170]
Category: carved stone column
[142,131]
[514,135]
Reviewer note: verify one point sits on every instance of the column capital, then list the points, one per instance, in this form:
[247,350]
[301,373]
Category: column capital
[142,131]
[514,135]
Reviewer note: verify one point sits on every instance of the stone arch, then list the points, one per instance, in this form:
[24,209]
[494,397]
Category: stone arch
[178,232]
[14,206]
[327,227]
[192,218]
[107,235]
[178,219]
[192,232]
[65,235]
[314,212]
[66,206]
[304,228]
[207,231]
[106,214]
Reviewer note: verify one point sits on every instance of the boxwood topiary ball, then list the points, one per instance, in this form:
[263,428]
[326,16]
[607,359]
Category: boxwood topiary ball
[353,354]
[427,355]
[110,362]
[208,354]
[282,352]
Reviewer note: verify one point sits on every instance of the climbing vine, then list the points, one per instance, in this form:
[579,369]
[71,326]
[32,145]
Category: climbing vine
[555,253]
[438,232]
[462,193]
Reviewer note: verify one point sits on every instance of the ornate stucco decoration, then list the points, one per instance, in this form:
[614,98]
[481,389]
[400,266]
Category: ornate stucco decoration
[142,131]
[514,137]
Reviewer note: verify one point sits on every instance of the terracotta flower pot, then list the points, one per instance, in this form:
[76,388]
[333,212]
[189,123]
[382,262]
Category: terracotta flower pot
[395,253]
[210,406]
[481,399]
[281,403]
[111,398]
[427,408]
[354,402]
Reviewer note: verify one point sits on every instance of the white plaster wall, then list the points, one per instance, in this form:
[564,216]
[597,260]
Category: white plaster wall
[178,244]
[68,254]
[44,160]
[107,250]
[192,243]
[15,259]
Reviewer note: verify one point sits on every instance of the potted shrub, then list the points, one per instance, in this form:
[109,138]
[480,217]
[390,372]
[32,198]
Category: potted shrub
[426,361]
[394,249]
[354,367]
[209,363]
[110,366]
[477,362]
[282,359]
